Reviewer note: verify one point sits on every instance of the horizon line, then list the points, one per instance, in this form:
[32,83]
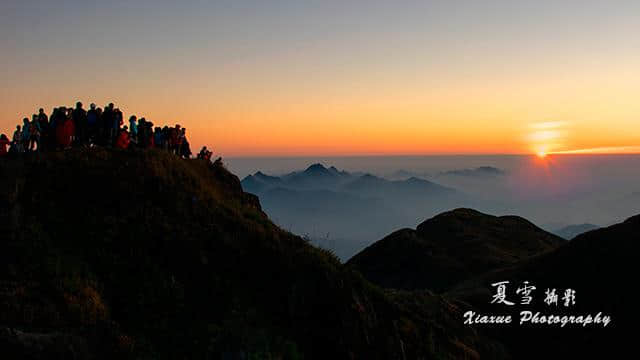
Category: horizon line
[582,152]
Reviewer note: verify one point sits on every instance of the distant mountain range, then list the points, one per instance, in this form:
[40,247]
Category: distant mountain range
[317,176]
[321,202]
[481,171]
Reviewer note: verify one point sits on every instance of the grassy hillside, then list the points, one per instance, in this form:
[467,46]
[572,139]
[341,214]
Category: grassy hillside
[119,254]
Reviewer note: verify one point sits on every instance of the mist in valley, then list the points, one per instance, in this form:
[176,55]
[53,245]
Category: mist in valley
[347,203]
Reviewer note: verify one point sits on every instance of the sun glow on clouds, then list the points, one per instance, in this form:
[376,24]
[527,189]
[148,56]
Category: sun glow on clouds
[545,137]
[552,137]
[603,150]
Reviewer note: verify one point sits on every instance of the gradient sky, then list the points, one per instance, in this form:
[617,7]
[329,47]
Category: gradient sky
[295,77]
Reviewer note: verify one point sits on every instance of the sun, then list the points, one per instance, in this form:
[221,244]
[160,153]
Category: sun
[541,154]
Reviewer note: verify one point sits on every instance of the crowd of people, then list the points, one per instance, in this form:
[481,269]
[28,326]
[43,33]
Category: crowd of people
[77,127]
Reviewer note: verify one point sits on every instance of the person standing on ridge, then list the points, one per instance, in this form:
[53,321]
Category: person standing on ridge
[79,117]
[34,134]
[16,144]
[109,129]
[158,139]
[65,131]
[25,134]
[92,123]
[43,122]
[133,129]
[122,142]
[118,121]
[4,141]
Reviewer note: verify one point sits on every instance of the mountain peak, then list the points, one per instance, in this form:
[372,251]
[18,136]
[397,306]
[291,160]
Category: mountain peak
[450,247]
[262,176]
[415,179]
[317,167]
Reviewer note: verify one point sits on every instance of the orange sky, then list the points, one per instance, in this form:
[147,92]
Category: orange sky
[328,79]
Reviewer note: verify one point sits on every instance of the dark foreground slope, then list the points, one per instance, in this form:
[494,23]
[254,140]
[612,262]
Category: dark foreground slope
[450,248]
[601,266]
[112,254]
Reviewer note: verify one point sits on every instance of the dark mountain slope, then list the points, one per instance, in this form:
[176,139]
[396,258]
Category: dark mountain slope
[601,266]
[113,254]
[449,248]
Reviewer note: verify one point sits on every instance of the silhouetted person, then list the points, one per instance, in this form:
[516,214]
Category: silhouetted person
[43,121]
[158,138]
[185,148]
[80,122]
[149,134]
[92,123]
[174,136]
[100,128]
[4,141]
[118,121]
[122,142]
[142,130]
[56,117]
[202,152]
[25,134]
[133,128]
[16,144]
[34,134]
[108,118]
[65,131]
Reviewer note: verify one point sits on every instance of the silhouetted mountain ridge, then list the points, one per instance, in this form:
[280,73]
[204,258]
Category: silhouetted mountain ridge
[450,248]
[597,265]
[138,254]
